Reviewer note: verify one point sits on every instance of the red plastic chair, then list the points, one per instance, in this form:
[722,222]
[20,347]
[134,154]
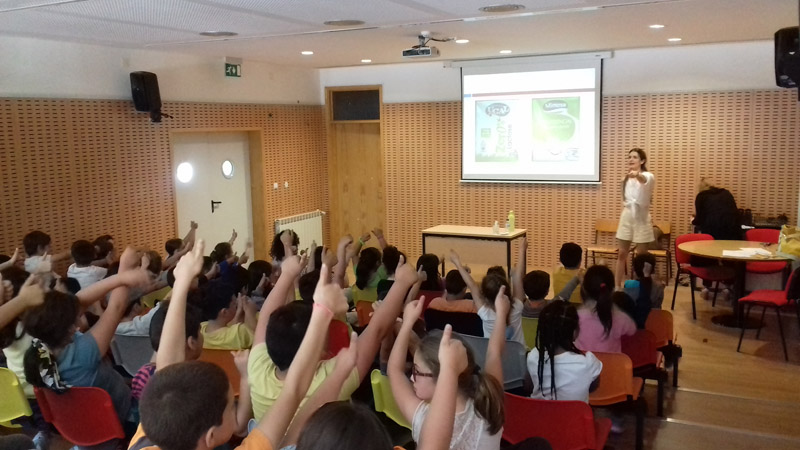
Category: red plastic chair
[648,363]
[771,237]
[338,337]
[429,296]
[567,425]
[84,416]
[769,298]
[715,274]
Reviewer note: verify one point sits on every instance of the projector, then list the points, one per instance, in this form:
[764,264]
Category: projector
[421,52]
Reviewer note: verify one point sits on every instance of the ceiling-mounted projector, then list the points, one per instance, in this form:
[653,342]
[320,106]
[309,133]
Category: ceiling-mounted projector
[421,52]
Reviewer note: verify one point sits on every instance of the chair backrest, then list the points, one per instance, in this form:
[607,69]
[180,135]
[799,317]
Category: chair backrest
[429,296]
[793,277]
[529,328]
[14,404]
[604,226]
[683,257]
[384,400]
[666,233]
[149,300]
[131,352]
[462,322]
[567,425]
[659,322]
[763,235]
[514,363]
[364,311]
[641,348]
[84,416]
[616,379]
[338,337]
[224,360]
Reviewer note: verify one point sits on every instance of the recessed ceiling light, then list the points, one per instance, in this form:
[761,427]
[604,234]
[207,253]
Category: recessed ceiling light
[215,33]
[365,61]
[674,39]
[501,8]
[656,26]
[306,52]
[344,23]
[505,52]
[462,41]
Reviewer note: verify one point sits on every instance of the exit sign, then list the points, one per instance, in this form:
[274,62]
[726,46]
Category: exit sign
[233,70]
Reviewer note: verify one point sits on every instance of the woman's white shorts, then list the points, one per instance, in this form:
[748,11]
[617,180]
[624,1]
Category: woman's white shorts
[638,231]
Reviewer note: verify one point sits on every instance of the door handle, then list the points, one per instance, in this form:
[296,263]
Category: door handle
[214,206]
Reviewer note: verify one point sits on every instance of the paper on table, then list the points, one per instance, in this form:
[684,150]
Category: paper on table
[758,251]
[747,252]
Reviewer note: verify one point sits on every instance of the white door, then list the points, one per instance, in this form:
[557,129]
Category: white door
[220,173]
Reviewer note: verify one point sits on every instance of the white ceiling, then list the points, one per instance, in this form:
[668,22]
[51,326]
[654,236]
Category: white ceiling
[276,31]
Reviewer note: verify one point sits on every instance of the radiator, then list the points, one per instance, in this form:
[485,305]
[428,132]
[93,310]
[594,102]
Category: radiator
[308,227]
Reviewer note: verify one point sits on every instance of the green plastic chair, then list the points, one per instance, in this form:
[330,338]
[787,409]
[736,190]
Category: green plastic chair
[384,400]
[149,300]
[14,404]
[529,327]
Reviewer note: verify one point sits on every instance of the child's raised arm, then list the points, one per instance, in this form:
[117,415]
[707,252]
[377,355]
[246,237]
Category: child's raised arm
[402,389]
[497,340]
[248,248]
[474,289]
[341,256]
[355,250]
[30,294]
[244,406]
[379,236]
[517,291]
[290,269]
[10,262]
[172,347]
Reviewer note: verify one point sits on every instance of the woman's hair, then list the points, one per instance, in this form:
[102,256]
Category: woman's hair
[16,277]
[276,251]
[558,326]
[430,265]
[597,285]
[221,252]
[52,323]
[256,270]
[344,424]
[643,157]
[368,262]
[485,390]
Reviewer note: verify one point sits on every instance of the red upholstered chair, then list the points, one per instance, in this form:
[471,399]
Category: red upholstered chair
[714,274]
[82,415]
[767,236]
[769,298]
[567,425]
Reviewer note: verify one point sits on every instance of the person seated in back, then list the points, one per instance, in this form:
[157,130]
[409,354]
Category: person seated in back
[560,370]
[230,319]
[646,290]
[367,267]
[260,274]
[176,247]
[602,324]
[390,259]
[37,247]
[534,286]
[454,299]
[570,257]
[84,254]
[104,250]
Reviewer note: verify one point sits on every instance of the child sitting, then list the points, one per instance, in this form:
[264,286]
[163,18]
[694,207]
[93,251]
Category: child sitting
[602,324]
[646,290]
[369,272]
[226,259]
[570,257]
[535,285]
[429,263]
[37,247]
[84,253]
[559,370]
[176,248]
[390,259]
[229,319]
[260,274]
[454,299]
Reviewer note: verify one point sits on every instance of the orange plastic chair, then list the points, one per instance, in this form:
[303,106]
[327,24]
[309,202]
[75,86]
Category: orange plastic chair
[224,360]
[768,236]
[659,322]
[14,404]
[364,311]
[647,361]
[618,385]
[84,416]
[567,425]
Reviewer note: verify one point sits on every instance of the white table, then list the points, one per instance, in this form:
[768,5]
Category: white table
[475,244]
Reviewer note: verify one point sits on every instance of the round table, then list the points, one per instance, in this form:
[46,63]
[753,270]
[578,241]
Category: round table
[715,249]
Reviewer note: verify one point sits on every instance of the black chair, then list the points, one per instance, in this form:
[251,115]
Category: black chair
[462,322]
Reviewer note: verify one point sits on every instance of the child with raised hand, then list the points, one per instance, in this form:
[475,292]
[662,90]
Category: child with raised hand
[484,296]
[11,261]
[479,411]
[602,324]
[229,318]
[367,267]
[176,248]
[197,399]
[532,288]
[570,258]
[83,270]
[559,370]
[284,245]
[646,290]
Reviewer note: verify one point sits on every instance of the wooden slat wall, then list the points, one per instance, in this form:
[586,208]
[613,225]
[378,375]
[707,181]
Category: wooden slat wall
[80,168]
[744,141]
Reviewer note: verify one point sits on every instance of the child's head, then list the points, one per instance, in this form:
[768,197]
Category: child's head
[256,270]
[597,285]
[570,255]
[639,262]
[194,338]
[221,252]
[83,252]
[430,265]
[391,258]
[54,324]
[187,403]
[368,262]
[277,251]
[173,245]
[486,392]
[103,245]
[155,262]
[285,331]
[219,304]
[490,286]
[307,285]
[536,285]
[558,329]
[16,277]
[36,243]
[454,283]
[344,424]
[497,270]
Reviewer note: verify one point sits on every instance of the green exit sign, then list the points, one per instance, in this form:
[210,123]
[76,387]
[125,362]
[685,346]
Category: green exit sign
[233,70]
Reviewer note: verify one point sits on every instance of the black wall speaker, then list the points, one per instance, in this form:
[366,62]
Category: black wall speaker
[787,57]
[144,90]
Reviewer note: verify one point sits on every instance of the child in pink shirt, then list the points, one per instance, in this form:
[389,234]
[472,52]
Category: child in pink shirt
[602,324]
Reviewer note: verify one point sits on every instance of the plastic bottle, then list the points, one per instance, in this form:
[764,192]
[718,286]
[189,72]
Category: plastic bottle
[508,226]
[511,219]
[496,228]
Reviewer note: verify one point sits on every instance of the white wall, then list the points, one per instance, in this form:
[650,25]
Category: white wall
[52,69]
[680,68]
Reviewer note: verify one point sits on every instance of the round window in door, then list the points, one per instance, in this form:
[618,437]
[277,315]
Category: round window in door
[185,172]
[227,169]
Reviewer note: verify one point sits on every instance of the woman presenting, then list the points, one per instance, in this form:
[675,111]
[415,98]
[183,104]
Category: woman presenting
[635,225]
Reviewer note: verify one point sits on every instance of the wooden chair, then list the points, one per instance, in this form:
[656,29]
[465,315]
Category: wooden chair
[664,242]
[224,360]
[84,416]
[659,322]
[14,404]
[384,400]
[769,298]
[618,385]
[567,425]
[601,226]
